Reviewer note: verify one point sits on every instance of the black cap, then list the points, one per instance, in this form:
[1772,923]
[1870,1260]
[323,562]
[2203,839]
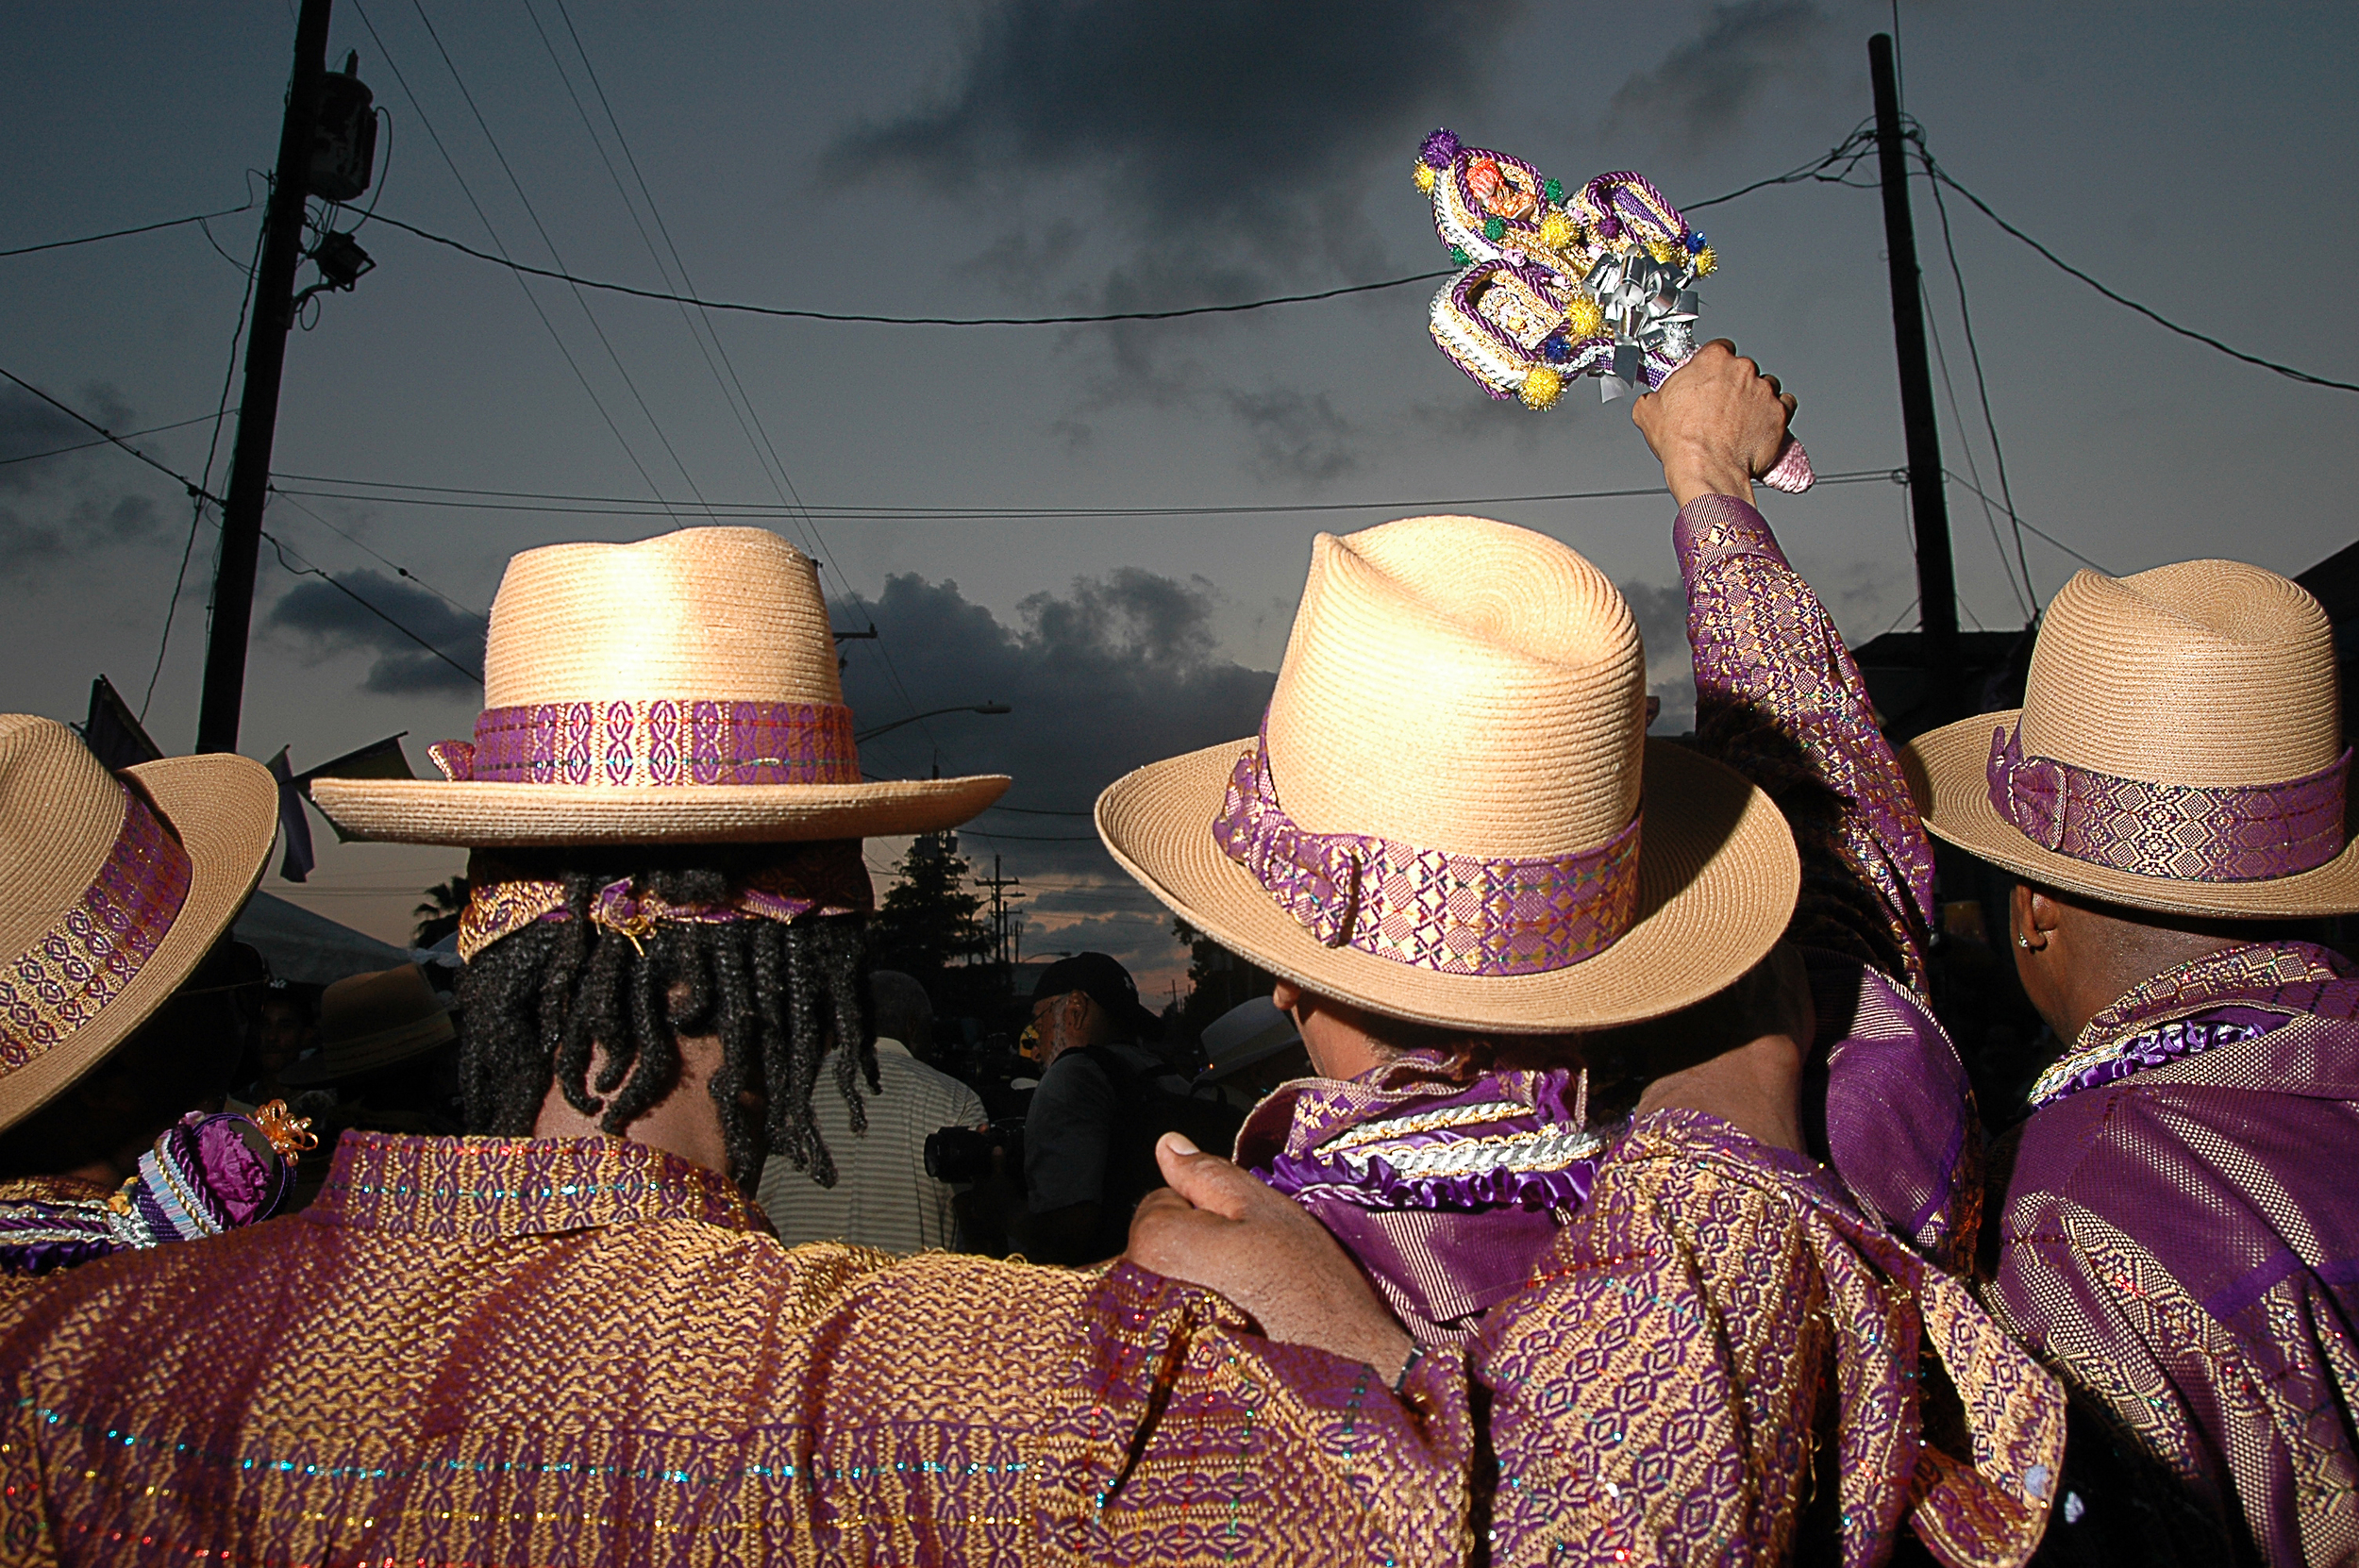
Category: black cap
[1104,981]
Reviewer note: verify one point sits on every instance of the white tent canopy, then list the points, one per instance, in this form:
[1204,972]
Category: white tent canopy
[310,949]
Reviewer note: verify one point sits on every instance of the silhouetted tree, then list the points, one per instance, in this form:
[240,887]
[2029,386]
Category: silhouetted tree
[1217,980]
[438,917]
[929,919]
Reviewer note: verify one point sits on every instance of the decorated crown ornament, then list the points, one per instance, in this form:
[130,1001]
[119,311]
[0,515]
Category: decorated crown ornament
[1550,286]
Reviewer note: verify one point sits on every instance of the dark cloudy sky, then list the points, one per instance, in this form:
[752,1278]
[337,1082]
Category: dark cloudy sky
[1053,156]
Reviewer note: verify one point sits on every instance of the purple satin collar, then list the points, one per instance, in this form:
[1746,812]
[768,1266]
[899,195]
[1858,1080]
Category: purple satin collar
[1458,914]
[2177,832]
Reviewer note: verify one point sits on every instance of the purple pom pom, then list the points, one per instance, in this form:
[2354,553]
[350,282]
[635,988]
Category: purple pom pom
[1439,149]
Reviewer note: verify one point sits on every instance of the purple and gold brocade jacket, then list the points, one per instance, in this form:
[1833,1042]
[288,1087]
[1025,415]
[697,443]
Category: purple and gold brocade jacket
[1692,1347]
[1779,700]
[2180,1236]
[530,1353]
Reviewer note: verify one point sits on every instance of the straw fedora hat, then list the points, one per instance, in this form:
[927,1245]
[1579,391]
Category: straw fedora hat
[372,1021]
[2179,749]
[1441,819]
[681,689]
[112,890]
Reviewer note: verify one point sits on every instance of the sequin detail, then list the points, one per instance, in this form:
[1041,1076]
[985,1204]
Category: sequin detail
[2177,832]
[1470,1156]
[818,878]
[661,742]
[89,956]
[1458,914]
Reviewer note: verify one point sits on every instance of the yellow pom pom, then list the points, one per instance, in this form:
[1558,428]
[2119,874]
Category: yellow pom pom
[1423,175]
[1557,231]
[1662,251]
[1582,319]
[1542,387]
[1707,262]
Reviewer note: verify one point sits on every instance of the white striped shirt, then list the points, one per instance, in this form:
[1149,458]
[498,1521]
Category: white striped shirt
[882,1196]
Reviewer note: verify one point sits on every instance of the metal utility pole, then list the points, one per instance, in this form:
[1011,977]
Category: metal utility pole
[257,413]
[1936,583]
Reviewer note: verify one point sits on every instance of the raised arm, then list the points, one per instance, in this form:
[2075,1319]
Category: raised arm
[1778,696]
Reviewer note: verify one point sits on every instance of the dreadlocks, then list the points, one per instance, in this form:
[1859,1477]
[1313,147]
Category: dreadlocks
[551,1000]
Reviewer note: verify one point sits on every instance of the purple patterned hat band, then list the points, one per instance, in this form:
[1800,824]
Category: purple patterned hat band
[90,956]
[1456,914]
[2175,832]
[659,741]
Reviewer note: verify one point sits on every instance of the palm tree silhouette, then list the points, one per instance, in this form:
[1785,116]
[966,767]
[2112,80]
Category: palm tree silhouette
[438,917]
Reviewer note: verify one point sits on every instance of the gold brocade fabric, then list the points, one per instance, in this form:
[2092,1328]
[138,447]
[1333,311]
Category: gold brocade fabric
[517,1352]
[1720,1361]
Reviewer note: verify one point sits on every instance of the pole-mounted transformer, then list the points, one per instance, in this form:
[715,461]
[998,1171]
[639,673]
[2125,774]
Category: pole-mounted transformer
[326,148]
[344,143]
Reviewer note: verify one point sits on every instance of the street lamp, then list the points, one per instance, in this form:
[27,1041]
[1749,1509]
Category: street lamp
[931,713]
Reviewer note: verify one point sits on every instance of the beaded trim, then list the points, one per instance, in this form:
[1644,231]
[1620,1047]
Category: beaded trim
[2177,832]
[68,975]
[1458,914]
[663,742]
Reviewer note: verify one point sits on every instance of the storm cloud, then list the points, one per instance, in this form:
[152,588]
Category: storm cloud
[59,502]
[1703,89]
[1661,612]
[348,620]
[1112,673]
[1108,674]
[1234,116]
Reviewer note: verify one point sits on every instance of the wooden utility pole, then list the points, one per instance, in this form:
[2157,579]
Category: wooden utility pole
[257,413]
[1001,899]
[1936,581]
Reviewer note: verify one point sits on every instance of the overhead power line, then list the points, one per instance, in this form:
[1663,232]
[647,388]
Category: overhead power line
[1953,478]
[1938,173]
[565,353]
[123,233]
[623,506]
[906,321]
[86,445]
[298,566]
[1845,154]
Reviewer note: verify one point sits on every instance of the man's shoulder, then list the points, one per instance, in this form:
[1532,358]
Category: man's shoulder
[903,1073]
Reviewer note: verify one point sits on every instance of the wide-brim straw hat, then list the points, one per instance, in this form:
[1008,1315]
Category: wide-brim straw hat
[372,1021]
[681,689]
[1450,828]
[2188,720]
[112,890]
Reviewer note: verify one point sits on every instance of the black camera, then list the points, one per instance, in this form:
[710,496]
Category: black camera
[963,1154]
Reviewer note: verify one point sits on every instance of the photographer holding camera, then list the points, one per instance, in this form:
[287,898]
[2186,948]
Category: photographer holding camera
[1087,1147]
